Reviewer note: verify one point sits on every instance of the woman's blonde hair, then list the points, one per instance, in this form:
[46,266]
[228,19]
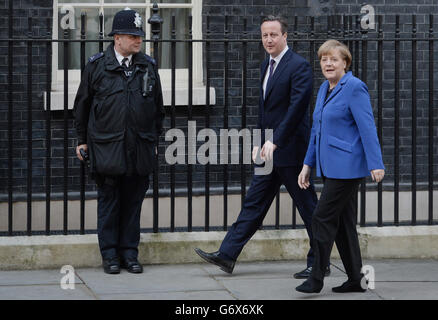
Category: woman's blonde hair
[331,45]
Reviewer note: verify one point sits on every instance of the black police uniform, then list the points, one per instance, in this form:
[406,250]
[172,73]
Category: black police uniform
[118,114]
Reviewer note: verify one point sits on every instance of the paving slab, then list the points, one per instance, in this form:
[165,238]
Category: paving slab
[164,278]
[45,292]
[274,281]
[404,269]
[173,295]
[407,290]
[267,270]
[33,277]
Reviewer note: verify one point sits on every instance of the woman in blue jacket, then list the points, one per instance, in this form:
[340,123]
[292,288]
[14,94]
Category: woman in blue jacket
[344,148]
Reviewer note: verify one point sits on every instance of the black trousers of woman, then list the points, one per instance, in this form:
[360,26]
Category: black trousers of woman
[334,220]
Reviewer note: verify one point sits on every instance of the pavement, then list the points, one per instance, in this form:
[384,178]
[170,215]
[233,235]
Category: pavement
[395,279]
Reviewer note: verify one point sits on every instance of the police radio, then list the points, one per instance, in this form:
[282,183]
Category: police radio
[84,155]
[147,85]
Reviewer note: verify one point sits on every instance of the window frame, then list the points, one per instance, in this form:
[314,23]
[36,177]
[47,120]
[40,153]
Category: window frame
[165,74]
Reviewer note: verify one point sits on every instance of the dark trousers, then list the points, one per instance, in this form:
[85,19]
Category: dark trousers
[118,215]
[334,220]
[258,200]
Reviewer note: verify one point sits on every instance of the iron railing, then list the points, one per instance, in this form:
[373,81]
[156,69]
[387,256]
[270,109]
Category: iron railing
[345,28]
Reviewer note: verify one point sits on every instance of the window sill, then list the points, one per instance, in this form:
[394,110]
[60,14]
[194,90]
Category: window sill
[181,97]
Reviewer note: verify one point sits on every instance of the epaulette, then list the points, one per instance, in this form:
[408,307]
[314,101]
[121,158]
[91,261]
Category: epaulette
[150,59]
[95,57]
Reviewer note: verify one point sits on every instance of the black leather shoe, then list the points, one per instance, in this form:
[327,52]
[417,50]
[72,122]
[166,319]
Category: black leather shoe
[111,265]
[225,264]
[132,265]
[349,286]
[310,286]
[303,274]
[306,273]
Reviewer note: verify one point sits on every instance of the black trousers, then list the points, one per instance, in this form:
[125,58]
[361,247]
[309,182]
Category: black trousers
[118,215]
[257,202]
[334,220]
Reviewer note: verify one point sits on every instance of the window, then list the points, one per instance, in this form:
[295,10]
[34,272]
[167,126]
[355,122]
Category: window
[180,8]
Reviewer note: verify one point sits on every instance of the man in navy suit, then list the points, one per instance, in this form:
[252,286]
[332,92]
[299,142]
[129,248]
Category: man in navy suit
[286,87]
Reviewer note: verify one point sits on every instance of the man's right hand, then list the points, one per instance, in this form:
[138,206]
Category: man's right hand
[255,150]
[78,152]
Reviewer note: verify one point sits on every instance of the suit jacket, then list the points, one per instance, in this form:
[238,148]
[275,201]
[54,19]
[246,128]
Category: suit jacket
[343,142]
[285,108]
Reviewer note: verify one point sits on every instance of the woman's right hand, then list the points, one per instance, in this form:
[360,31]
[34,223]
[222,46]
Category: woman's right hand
[377,175]
[304,177]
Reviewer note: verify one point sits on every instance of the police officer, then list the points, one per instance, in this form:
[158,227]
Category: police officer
[118,116]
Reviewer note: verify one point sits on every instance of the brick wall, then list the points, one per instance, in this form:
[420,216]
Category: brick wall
[40,11]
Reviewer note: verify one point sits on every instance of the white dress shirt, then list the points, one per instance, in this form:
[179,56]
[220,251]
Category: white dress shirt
[277,62]
[120,58]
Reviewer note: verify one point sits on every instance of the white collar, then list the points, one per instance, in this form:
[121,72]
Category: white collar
[120,58]
[279,57]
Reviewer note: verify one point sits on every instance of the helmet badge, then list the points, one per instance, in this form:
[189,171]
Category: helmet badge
[137,20]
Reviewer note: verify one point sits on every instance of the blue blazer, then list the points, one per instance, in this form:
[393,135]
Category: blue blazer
[343,142]
[285,108]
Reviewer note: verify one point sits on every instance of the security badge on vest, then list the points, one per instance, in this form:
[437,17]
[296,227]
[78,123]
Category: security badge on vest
[128,73]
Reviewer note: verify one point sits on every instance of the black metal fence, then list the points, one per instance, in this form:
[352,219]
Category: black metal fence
[344,28]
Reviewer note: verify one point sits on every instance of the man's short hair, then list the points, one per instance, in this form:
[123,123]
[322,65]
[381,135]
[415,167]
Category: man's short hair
[280,19]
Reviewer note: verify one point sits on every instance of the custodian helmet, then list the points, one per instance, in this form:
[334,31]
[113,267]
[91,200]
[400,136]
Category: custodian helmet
[127,22]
